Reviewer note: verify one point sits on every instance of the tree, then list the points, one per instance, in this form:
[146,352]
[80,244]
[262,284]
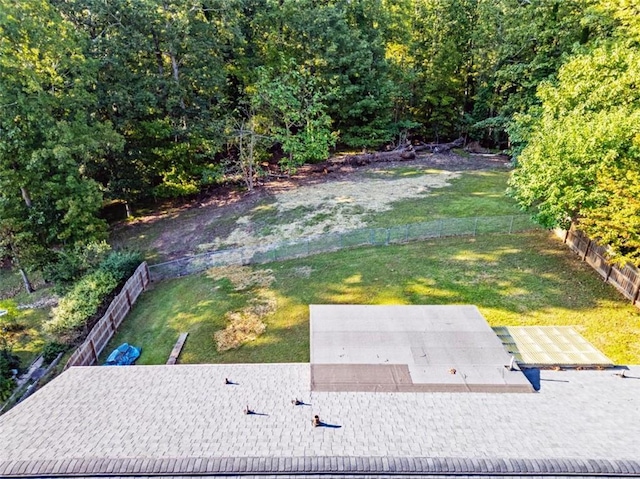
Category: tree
[249,146]
[295,114]
[582,156]
[162,84]
[48,134]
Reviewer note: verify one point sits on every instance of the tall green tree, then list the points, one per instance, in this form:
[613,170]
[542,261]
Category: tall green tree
[294,114]
[162,84]
[48,135]
[341,44]
[581,162]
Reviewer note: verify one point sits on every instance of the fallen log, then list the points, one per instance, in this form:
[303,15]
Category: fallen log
[404,153]
[439,147]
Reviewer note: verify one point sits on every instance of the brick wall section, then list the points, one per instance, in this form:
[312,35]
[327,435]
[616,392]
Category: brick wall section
[626,280]
[88,352]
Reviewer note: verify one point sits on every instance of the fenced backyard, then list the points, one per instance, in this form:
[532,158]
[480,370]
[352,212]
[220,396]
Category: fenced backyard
[89,351]
[626,279]
[327,243]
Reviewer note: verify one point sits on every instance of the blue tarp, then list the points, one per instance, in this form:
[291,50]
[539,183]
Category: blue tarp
[123,355]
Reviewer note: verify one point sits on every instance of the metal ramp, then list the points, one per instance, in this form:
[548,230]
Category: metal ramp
[547,346]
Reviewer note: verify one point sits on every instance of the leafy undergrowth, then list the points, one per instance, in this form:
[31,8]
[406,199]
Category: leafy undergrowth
[523,279]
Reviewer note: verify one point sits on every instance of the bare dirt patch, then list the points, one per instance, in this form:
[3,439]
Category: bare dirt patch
[308,204]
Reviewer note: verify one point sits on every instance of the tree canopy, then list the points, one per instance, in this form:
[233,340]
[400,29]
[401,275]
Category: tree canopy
[581,162]
[153,99]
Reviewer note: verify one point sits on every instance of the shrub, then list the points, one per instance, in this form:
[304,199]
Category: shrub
[84,299]
[121,263]
[72,263]
[51,351]
[80,304]
[8,362]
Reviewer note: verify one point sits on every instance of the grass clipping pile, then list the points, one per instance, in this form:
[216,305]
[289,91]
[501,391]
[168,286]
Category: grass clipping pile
[247,324]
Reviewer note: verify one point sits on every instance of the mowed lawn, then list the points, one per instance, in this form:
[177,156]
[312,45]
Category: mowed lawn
[523,279]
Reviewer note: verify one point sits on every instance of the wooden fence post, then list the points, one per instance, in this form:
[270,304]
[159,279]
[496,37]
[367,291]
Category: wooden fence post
[111,323]
[126,294]
[606,278]
[586,251]
[93,349]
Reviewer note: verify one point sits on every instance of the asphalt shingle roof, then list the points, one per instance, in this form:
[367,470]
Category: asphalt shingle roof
[184,419]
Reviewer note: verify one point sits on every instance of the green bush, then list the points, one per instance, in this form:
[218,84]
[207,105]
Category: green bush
[8,362]
[72,263]
[86,296]
[51,351]
[80,304]
[121,264]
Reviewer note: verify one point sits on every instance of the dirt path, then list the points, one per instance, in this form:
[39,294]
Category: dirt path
[308,204]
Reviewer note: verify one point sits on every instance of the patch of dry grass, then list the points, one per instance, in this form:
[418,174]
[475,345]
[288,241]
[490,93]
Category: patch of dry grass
[242,277]
[246,324]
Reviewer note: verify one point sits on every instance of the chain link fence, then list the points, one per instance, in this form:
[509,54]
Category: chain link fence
[327,243]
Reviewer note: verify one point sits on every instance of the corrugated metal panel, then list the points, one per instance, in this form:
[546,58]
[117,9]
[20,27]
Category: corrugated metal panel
[550,346]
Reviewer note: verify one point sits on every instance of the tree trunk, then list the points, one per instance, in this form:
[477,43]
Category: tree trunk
[25,196]
[25,280]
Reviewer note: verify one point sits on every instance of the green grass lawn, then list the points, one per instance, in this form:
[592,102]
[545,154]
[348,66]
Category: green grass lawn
[28,342]
[523,279]
[474,193]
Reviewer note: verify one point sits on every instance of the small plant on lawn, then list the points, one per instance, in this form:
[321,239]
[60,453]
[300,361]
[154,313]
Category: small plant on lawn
[245,325]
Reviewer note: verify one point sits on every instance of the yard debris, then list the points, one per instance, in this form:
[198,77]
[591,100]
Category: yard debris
[245,325]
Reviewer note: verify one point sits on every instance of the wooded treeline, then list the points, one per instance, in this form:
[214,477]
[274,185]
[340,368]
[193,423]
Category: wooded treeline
[147,99]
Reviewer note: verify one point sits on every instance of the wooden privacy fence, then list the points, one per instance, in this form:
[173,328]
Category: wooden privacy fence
[88,352]
[626,280]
